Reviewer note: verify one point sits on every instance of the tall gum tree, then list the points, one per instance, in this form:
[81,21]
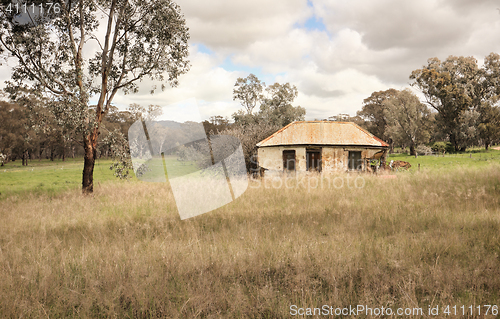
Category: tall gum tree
[373,115]
[406,119]
[248,91]
[457,88]
[83,50]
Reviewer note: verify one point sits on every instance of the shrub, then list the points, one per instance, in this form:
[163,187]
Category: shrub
[443,147]
[423,150]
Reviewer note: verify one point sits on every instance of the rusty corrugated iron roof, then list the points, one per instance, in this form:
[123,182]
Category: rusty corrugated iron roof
[322,133]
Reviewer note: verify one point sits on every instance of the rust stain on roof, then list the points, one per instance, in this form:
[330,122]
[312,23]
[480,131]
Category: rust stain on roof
[277,132]
[322,133]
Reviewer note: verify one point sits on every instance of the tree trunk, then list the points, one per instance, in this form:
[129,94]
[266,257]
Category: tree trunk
[412,149]
[453,141]
[391,146]
[90,147]
[88,165]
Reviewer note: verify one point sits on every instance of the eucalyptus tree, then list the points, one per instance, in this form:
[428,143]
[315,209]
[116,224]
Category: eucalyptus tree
[13,131]
[277,107]
[248,91]
[373,114]
[82,51]
[275,111]
[406,119]
[462,93]
[489,125]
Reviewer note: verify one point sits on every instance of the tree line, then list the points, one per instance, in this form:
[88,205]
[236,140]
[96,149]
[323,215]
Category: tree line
[460,106]
[34,133]
[460,110]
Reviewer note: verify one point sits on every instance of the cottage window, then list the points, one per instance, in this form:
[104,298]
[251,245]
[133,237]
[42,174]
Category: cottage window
[313,160]
[355,163]
[289,160]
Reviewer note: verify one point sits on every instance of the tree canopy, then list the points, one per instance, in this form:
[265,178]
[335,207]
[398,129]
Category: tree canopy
[248,91]
[459,90]
[406,119]
[275,107]
[372,112]
[275,111]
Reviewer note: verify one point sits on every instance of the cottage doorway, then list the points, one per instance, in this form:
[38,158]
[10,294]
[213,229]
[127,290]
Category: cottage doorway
[313,160]
[289,160]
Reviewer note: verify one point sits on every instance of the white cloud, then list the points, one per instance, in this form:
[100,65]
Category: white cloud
[238,24]
[329,94]
[278,54]
[396,37]
[209,84]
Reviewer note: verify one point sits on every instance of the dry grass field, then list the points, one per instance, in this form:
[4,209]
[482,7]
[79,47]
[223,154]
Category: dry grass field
[423,238]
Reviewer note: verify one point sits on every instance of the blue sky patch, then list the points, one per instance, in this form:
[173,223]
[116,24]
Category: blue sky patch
[203,48]
[230,66]
[313,23]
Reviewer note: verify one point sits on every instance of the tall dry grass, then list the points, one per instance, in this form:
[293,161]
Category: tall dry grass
[418,240]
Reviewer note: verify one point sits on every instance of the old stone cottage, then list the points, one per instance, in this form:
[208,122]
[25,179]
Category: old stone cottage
[320,146]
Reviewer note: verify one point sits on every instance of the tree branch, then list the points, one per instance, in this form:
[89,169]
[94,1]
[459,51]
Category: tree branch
[36,76]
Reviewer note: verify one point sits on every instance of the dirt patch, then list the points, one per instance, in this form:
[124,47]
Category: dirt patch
[496,148]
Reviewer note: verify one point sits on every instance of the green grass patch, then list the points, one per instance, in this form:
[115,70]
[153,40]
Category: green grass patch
[49,177]
[476,158]
[178,168]
[159,168]
[53,177]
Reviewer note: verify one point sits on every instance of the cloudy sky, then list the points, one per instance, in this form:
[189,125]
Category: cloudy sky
[336,52]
